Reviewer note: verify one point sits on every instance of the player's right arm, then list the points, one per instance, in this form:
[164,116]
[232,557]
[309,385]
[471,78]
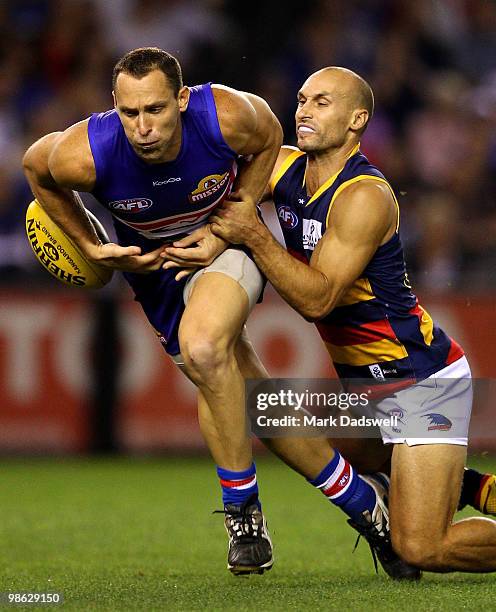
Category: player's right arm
[362,218]
[56,166]
[52,171]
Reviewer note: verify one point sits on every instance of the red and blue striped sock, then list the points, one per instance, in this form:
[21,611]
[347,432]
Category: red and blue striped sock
[344,488]
[238,487]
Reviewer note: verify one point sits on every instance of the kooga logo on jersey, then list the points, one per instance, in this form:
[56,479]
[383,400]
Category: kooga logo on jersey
[288,218]
[172,179]
[134,205]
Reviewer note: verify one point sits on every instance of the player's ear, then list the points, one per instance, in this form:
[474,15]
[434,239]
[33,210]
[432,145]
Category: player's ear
[359,119]
[113,98]
[183,99]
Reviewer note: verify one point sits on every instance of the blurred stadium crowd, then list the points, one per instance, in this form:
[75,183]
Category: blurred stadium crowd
[431,63]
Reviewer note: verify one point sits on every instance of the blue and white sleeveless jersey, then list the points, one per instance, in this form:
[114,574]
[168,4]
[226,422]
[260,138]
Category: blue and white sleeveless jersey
[153,203]
[168,199]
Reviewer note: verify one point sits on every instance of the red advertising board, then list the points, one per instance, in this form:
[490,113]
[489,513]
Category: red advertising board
[45,367]
[44,372]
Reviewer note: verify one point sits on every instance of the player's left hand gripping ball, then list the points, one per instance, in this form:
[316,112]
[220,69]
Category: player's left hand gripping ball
[59,255]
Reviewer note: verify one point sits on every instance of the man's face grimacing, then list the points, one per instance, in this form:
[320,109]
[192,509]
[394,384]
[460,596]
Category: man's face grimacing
[328,111]
[150,114]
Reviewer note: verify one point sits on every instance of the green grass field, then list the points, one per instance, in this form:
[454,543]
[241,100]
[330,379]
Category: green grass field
[135,534]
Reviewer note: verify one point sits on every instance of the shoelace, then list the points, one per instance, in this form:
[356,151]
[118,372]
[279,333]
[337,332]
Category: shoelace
[242,522]
[370,533]
[372,552]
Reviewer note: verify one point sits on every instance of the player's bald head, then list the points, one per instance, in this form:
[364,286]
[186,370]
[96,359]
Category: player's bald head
[347,84]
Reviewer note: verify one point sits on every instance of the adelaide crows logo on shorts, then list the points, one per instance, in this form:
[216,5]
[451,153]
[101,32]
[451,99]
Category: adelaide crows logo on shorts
[438,422]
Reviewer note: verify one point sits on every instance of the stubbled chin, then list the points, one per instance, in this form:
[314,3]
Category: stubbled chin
[147,154]
[304,145]
[305,139]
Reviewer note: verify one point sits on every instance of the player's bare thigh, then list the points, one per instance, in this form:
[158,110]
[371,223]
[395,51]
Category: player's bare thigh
[217,308]
[425,489]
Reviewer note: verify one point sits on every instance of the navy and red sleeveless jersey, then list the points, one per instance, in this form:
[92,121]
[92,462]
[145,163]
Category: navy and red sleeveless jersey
[378,330]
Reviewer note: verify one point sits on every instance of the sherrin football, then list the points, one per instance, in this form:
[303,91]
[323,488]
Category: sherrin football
[59,255]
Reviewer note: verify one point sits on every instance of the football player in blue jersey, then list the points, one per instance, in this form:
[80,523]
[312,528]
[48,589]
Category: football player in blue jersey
[344,269]
[161,161]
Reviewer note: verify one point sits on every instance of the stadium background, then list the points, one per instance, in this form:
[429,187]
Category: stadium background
[82,374]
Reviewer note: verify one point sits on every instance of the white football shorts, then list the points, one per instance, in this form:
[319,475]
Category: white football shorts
[433,411]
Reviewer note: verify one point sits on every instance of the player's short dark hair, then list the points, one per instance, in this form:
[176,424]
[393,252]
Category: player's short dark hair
[139,62]
[365,99]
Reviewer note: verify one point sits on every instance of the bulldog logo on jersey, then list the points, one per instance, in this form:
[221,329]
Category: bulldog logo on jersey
[214,185]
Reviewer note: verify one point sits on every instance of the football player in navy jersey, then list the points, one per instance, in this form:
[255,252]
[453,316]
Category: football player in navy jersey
[161,161]
[344,269]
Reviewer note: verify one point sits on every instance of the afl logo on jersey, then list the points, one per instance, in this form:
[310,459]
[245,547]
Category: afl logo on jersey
[213,185]
[134,205]
[287,217]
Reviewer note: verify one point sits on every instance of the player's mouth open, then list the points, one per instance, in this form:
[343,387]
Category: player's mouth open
[305,129]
